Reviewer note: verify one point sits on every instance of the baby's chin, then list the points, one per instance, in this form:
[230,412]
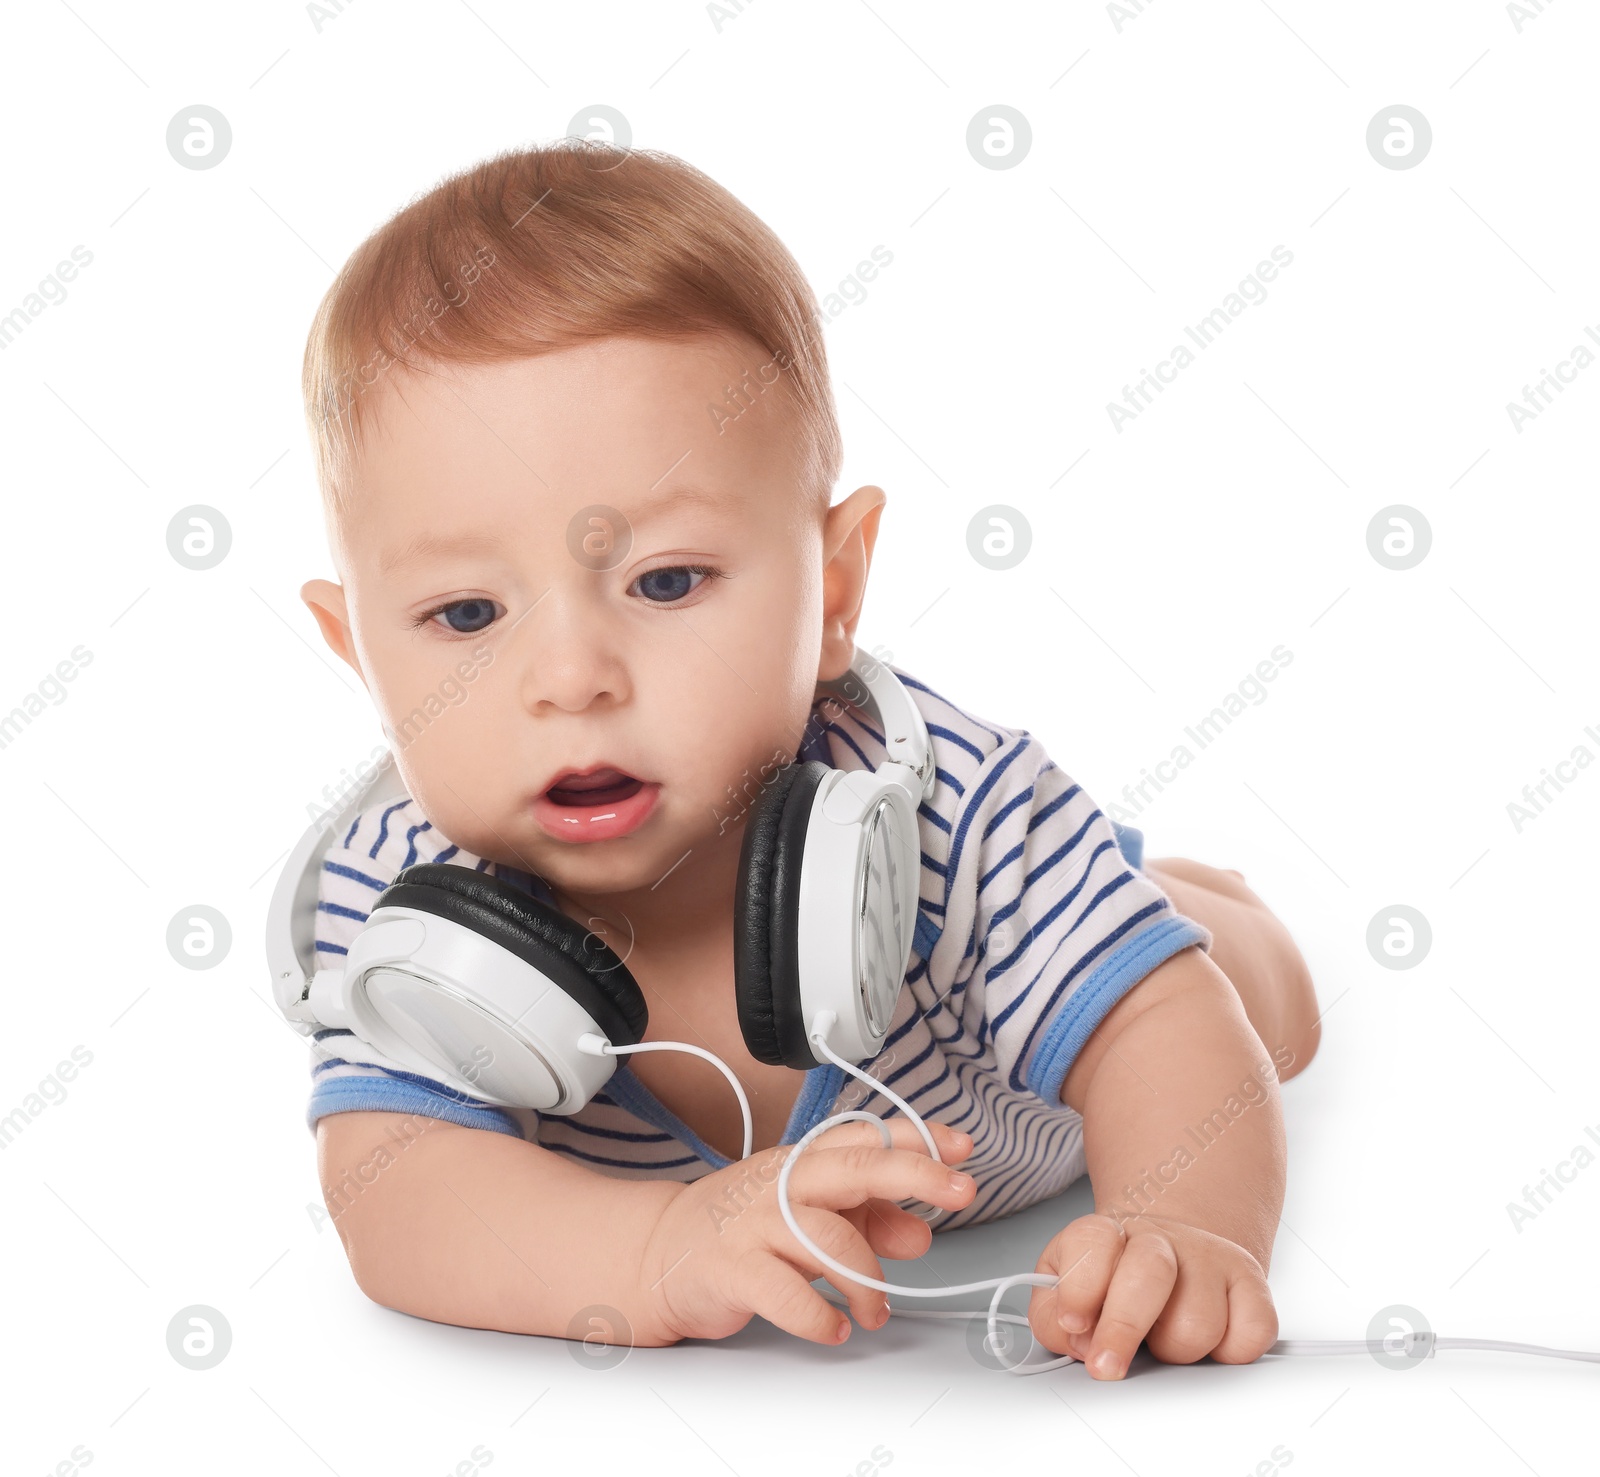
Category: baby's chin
[669,843]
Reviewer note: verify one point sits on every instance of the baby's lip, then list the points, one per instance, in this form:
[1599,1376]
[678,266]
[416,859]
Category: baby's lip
[597,776]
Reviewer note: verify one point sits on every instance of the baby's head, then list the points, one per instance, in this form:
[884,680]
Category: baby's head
[576,444]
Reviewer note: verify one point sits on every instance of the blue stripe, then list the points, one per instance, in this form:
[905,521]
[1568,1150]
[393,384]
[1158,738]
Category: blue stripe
[851,744]
[447,853]
[990,780]
[1060,1128]
[1015,1124]
[937,697]
[1020,1185]
[351,832]
[438,1089]
[383,826]
[1061,853]
[915,1061]
[629,1093]
[1020,798]
[1120,879]
[938,730]
[1043,926]
[561,1148]
[570,1121]
[411,841]
[1086,959]
[932,1114]
[1001,914]
[1088,1005]
[928,1086]
[388,1095]
[340,911]
[340,870]
[324,947]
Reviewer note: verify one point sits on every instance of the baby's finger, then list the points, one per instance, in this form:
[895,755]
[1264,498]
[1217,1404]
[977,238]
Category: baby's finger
[769,1286]
[889,1230]
[1140,1287]
[953,1145]
[1195,1318]
[841,1241]
[1083,1257]
[835,1179]
[1252,1321]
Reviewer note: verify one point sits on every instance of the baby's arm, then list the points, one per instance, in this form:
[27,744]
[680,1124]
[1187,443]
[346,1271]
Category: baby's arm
[466,1226]
[486,1230]
[1183,1135]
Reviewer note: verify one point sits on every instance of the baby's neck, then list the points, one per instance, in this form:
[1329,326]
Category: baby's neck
[679,917]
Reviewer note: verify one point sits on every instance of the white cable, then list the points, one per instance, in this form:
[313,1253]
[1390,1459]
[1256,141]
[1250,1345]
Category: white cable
[598,1046]
[1504,1348]
[1423,1340]
[823,1023]
[999,1284]
[819,1029]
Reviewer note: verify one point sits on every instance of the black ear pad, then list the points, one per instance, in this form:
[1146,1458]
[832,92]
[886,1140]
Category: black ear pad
[766,919]
[580,963]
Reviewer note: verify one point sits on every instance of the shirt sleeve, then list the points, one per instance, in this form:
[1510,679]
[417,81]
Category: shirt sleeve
[1047,924]
[347,1074]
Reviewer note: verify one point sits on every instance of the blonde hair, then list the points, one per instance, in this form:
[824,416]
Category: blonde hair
[549,247]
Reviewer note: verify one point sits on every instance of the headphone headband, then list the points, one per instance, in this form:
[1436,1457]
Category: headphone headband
[870,684]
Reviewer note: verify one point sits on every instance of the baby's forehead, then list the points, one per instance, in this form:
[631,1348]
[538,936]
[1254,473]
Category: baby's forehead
[712,395]
[702,424]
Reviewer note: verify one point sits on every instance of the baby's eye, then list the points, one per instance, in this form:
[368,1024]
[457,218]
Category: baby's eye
[465,616]
[667,586]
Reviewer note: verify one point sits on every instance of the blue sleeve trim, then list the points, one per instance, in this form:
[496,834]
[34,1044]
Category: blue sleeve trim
[392,1095]
[1091,1002]
[1130,842]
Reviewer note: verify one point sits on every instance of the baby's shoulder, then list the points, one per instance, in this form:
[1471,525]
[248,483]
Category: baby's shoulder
[975,758]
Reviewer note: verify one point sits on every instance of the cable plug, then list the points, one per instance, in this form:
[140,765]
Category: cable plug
[1422,1344]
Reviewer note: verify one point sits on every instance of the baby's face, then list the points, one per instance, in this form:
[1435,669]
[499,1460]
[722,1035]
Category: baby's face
[511,627]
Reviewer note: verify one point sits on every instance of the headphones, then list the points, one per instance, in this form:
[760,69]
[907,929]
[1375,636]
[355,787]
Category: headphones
[466,979]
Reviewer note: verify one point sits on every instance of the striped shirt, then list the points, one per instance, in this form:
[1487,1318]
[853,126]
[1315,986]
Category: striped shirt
[1033,921]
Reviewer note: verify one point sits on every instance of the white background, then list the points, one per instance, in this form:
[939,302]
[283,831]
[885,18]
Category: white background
[1168,158]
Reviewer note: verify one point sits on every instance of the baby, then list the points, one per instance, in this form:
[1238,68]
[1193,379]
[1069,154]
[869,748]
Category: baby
[577,447]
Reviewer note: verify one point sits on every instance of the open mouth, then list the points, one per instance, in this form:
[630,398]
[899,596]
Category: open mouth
[603,787]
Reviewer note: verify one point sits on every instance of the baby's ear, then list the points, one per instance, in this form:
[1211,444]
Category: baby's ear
[325,600]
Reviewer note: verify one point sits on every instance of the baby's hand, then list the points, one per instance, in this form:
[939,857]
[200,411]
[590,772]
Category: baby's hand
[722,1250]
[1187,1292]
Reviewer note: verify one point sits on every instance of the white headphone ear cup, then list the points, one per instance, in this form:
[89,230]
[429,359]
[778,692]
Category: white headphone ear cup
[441,1000]
[858,896]
[469,980]
[579,961]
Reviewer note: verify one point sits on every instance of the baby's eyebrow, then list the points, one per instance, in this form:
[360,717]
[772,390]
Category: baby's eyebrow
[433,543]
[668,500]
[672,498]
